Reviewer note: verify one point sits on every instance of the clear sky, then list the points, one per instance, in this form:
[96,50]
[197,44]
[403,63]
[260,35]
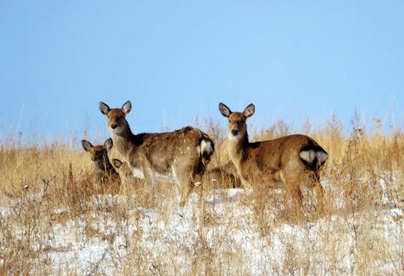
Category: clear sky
[176,60]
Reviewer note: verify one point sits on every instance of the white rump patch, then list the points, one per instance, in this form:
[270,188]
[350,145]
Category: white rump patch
[310,155]
[321,156]
[206,146]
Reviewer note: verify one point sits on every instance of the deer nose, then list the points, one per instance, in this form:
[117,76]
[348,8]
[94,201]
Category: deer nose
[113,126]
[234,132]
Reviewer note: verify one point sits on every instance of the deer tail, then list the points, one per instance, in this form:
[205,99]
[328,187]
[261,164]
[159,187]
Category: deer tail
[314,157]
[207,148]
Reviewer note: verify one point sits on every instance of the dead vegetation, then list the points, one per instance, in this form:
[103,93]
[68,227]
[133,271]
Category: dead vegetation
[49,187]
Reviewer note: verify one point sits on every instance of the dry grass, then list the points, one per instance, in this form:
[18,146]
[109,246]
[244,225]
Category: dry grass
[47,188]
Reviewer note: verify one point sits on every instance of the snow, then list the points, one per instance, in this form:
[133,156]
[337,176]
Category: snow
[223,234]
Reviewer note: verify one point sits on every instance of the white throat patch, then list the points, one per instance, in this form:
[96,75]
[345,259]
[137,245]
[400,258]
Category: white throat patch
[231,137]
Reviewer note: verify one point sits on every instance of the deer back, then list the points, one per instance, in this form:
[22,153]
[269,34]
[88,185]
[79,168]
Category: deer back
[162,151]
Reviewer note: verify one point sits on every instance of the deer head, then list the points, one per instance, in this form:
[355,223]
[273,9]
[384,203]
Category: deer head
[237,126]
[117,123]
[98,154]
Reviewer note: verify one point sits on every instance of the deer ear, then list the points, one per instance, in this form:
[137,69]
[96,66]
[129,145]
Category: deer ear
[86,145]
[117,163]
[108,144]
[224,110]
[249,110]
[126,108]
[104,108]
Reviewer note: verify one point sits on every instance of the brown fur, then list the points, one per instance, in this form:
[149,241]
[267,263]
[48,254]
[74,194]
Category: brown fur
[124,172]
[121,167]
[177,157]
[223,177]
[291,161]
[104,171]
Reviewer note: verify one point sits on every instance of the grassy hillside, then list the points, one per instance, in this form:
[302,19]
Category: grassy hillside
[53,207]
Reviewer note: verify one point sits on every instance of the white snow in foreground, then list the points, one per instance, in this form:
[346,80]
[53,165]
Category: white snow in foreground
[229,232]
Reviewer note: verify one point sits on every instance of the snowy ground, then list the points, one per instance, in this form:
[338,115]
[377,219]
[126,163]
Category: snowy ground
[222,237]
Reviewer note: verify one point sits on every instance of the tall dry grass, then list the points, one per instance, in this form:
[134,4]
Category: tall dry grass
[46,185]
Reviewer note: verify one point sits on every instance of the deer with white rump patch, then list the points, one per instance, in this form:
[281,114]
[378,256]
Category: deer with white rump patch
[178,157]
[292,161]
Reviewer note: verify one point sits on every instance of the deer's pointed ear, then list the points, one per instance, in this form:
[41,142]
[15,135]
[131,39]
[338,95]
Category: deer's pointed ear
[86,145]
[108,144]
[224,110]
[127,107]
[249,110]
[104,108]
[117,163]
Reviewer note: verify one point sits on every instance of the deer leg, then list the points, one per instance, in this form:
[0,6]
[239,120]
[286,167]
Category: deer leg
[149,176]
[185,182]
[150,184]
[187,185]
[186,190]
[297,197]
[319,192]
[293,202]
[293,187]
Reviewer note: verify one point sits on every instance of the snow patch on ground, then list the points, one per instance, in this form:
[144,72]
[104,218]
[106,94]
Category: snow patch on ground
[223,233]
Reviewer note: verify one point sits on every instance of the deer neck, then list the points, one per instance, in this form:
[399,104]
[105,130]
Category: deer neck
[126,134]
[237,148]
[123,142]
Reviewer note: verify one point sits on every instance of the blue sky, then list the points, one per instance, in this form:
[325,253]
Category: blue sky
[176,60]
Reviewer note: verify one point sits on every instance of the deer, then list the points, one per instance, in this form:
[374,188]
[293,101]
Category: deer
[179,157]
[289,161]
[121,167]
[104,171]
[222,177]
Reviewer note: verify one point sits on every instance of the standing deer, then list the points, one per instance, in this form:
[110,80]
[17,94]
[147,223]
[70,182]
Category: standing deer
[221,177]
[293,160]
[178,157]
